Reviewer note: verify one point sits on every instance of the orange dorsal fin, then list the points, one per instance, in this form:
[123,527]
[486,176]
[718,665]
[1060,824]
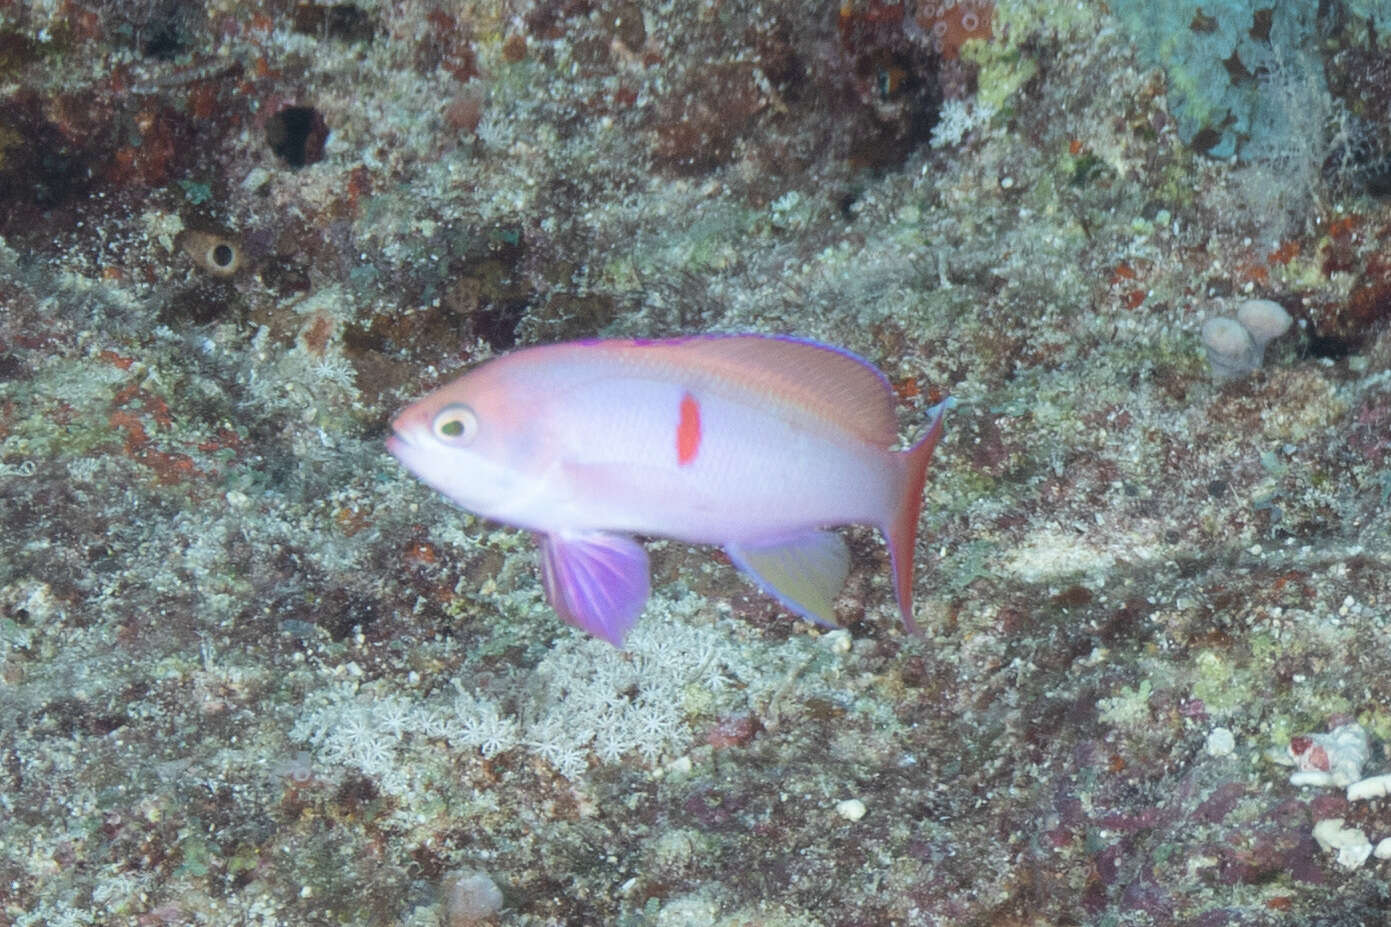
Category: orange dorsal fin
[826,383]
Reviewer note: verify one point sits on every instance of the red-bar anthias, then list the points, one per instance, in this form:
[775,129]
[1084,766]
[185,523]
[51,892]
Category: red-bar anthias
[758,444]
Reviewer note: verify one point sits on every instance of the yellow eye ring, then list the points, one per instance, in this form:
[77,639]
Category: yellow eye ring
[455,425]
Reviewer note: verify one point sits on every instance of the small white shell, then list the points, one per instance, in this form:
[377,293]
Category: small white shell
[838,641]
[1371,787]
[1220,742]
[1312,777]
[852,809]
[1351,845]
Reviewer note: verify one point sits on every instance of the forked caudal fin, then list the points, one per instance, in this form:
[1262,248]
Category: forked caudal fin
[902,530]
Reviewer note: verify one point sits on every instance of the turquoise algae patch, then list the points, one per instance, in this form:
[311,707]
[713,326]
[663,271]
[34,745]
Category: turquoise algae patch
[1218,56]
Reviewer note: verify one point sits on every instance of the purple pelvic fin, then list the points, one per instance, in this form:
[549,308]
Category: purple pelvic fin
[598,582]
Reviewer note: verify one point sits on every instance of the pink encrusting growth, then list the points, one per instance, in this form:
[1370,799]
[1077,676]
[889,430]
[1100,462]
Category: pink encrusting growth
[755,443]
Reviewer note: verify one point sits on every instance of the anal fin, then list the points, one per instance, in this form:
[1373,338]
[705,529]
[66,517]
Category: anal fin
[805,573]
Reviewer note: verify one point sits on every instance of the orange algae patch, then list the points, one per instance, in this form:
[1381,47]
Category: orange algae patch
[225,439]
[135,437]
[1287,252]
[1253,271]
[316,336]
[111,357]
[168,468]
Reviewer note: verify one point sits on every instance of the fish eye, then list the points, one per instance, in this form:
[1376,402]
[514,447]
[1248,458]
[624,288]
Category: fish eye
[455,425]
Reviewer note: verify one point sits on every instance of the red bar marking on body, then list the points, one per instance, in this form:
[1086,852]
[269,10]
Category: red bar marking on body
[688,430]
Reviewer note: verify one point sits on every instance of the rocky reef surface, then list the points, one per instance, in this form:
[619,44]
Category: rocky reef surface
[252,672]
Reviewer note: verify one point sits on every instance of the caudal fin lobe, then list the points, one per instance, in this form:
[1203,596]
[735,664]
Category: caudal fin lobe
[902,530]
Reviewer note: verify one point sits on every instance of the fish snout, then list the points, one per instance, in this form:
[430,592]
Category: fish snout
[405,434]
[407,429]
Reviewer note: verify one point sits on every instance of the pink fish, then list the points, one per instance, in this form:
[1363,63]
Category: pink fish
[751,442]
